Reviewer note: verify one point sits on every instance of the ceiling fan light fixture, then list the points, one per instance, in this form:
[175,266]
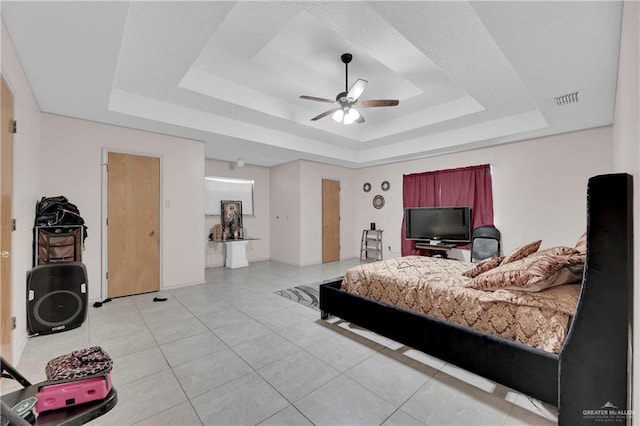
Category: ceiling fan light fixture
[344,112]
[350,116]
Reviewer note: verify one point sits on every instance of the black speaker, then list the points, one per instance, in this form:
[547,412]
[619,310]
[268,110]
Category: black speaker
[56,297]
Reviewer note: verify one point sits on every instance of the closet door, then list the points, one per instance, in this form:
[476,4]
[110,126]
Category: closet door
[133,224]
[6,223]
[330,220]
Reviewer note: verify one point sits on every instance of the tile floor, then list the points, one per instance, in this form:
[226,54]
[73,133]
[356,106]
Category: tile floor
[231,352]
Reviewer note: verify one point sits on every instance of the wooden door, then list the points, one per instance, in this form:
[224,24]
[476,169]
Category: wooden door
[6,224]
[330,220]
[133,224]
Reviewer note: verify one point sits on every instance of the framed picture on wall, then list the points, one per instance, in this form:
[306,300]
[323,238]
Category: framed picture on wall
[231,215]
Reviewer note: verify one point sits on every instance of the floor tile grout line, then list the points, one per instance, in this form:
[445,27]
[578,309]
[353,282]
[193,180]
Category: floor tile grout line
[243,284]
[382,350]
[256,371]
[170,369]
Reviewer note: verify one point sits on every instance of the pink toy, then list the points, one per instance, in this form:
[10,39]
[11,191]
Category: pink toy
[69,393]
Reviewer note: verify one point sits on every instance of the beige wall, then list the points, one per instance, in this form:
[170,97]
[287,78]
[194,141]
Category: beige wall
[73,150]
[296,212]
[626,141]
[311,175]
[539,188]
[256,226]
[539,192]
[56,155]
[285,218]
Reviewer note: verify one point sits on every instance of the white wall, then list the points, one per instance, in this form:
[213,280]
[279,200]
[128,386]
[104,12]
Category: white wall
[389,217]
[58,155]
[539,188]
[311,175]
[284,244]
[626,141]
[539,191]
[296,212]
[256,226]
[26,178]
[73,152]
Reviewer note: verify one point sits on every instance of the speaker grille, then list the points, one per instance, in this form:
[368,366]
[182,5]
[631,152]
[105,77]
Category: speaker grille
[56,297]
[58,308]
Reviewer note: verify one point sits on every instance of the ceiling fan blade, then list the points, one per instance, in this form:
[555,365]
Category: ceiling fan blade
[313,98]
[324,114]
[356,90]
[379,103]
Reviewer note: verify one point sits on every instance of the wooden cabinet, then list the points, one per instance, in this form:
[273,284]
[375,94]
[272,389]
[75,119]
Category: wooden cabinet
[371,245]
[441,249]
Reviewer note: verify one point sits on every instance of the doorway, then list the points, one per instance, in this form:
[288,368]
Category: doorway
[133,224]
[330,220]
[6,223]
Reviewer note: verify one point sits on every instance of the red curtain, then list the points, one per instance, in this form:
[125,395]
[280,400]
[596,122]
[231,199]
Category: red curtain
[466,186]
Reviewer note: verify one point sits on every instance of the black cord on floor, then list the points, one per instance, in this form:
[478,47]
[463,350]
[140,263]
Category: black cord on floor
[99,304]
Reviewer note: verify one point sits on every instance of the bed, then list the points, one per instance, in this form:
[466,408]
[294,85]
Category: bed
[586,375]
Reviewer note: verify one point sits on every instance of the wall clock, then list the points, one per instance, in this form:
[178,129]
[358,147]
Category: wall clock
[378,201]
[366,187]
[385,185]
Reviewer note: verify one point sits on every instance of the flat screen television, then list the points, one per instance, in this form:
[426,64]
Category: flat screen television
[438,224]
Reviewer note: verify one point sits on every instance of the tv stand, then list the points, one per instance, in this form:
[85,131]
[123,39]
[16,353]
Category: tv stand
[440,248]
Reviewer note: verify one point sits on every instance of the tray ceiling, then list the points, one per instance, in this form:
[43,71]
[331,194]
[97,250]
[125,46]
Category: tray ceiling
[467,74]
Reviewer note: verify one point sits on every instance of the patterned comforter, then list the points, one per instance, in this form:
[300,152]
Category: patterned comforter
[436,287]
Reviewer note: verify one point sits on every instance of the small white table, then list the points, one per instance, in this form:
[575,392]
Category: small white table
[237,253]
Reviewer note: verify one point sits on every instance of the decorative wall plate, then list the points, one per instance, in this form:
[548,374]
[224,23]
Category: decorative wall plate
[366,187]
[385,185]
[378,201]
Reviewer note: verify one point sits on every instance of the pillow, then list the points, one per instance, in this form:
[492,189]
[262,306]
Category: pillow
[483,266]
[533,273]
[581,245]
[522,252]
[556,251]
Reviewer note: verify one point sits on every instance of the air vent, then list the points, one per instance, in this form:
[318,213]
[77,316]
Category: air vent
[569,98]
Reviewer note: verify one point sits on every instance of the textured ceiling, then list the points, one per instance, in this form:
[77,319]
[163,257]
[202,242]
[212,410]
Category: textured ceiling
[230,73]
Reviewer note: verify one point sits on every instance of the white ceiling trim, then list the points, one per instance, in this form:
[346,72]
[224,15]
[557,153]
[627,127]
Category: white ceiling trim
[165,112]
[447,141]
[228,73]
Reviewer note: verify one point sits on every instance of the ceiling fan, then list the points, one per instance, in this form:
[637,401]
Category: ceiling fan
[346,112]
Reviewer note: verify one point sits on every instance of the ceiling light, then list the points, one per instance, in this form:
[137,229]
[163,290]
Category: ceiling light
[351,116]
[338,115]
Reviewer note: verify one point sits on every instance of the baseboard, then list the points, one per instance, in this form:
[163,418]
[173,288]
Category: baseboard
[171,287]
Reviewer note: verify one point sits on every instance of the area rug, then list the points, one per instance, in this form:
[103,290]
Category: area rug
[307,295]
